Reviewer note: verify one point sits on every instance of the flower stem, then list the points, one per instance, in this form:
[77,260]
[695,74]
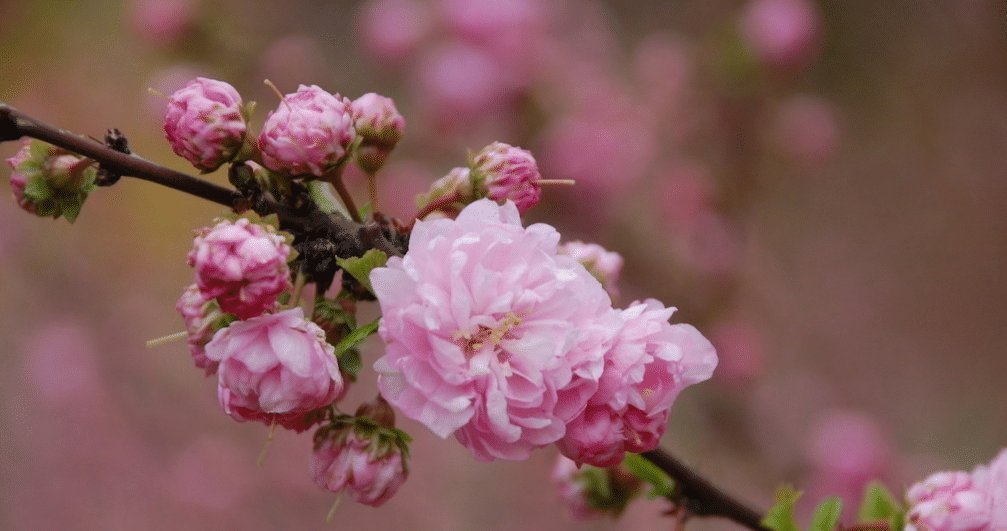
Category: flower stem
[372,190]
[164,340]
[337,181]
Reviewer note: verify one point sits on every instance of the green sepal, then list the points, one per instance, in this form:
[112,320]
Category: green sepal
[879,505]
[827,514]
[350,363]
[780,516]
[663,485]
[357,336]
[37,189]
[360,267]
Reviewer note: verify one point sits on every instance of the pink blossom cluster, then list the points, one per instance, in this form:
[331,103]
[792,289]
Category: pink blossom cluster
[205,123]
[953,501]
[495,337]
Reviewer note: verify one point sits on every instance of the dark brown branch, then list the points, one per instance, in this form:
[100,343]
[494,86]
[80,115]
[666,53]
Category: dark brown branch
[346,234]
[699,496]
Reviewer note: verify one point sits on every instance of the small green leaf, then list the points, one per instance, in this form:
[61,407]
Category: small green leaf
[356,337]
[360,267]
[350,363]
[827,514]
[781,515]
[650,473]
[879,504]
[37,189]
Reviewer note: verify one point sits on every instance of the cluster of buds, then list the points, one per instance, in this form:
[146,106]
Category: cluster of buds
[49,181]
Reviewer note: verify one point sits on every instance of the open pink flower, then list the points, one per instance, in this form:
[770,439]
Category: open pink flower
[369,474]
[275,368]
[648,365]
[948,501]
[490,335]
[308,134]
[204,123]
[241,264]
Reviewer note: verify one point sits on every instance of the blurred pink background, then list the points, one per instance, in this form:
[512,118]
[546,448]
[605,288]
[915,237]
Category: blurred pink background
[819,187]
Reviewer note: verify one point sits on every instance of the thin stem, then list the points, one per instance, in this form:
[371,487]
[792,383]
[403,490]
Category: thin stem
[556,182]
[295,297]
[372,190]
[700,496]
[164,340]
[344,195]
[436,205]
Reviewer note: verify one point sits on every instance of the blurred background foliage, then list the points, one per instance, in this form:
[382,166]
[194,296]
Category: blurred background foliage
[818,186]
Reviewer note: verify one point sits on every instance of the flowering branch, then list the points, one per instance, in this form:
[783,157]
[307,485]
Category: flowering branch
[352,238]
[699,496]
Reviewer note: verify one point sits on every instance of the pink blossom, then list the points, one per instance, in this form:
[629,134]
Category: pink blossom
[202,319]
[489,334]
[241,264]
[162,22]
[391,30]
[605,265]
[309,133]
[204,123]
[649,363]
[948,501]
[782,33]
[807,129]
[503,172]
[18,179]
[567,479]
[370,474]
[380,127]
[458,82]
[275,368]
[993,478]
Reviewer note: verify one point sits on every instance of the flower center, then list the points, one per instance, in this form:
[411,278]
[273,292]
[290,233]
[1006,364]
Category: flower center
[472,342]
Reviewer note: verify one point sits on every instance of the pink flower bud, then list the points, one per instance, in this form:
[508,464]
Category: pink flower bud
[604,265]
[572,490]
[456,186]
[782,33]
[18,180]
[308,134]
[202,319]
[204,123]
[162,22]
[275,368]
[948,501]
[380,127]
[241,264]
[369,472]
[503,172]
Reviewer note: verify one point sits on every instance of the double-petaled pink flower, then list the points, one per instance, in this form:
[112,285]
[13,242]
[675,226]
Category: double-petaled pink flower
[649,363]
[205,123]
[490,334]
[241,264]
[308,134]
[275,368]
[960,501]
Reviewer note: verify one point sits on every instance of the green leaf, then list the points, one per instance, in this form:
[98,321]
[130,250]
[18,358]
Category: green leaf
[781,515]
[350,363]
[650,473]
[827,514]
[356,337]
[37,189]
[879,504]
[360,267]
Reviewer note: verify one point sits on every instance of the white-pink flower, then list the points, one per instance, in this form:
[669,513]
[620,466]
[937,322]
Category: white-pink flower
[241,264]
[491,335]
[948,501]
[605,265]
[648,365]
[503,172]
[275,368]
[368,473]
[204,123]
[308,134]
